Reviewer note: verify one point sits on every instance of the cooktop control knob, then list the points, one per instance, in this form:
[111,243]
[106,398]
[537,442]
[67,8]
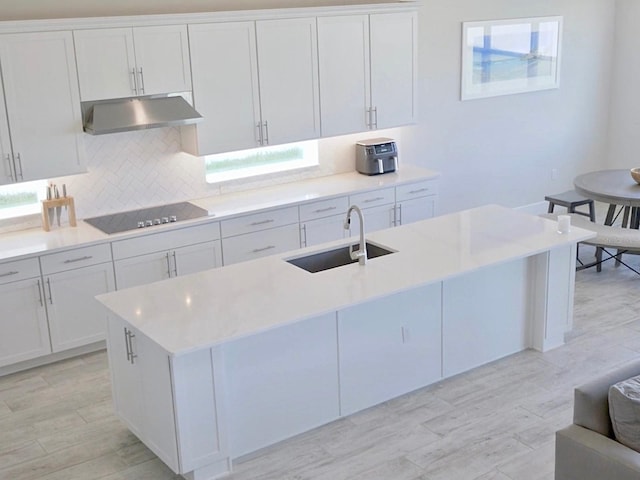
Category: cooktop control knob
[156,221]
[165,219]
[140,224]
[173,218]
[148,223]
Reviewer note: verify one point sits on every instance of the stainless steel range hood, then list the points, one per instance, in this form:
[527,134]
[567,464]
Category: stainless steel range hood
[139,113]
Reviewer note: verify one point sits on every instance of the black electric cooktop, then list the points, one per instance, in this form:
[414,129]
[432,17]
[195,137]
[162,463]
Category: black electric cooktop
[146,217]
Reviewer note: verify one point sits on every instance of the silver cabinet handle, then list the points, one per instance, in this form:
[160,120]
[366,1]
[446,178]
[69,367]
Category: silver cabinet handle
[399,220]
[259,250]
[263,222]
[20,165]
[266,133]
[166,256]
[49,288]
[126,344]
[133,355]
[303,232]
[9,274]
[322,210]
[420,190]
[134,82]
[141,80]
[11,176]
[79,259]
[40,293]
[175,263]
[260,136]
[377,199]
[375,112]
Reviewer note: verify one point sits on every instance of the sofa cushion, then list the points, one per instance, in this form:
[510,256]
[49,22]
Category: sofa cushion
[624,408]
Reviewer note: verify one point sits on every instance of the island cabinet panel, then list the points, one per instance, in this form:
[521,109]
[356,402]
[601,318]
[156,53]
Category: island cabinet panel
[142,389]
[280,383]
[389,347]
[492,320]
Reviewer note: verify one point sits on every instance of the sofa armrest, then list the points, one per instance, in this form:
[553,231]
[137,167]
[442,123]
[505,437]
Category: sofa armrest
[582,454]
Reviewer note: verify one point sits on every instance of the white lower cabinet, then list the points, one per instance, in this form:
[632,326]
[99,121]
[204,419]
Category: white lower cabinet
[389,347]
[322,230]
[416,201]
[260,244]
[24,333]
[75,317]
[169,402]
[281,383]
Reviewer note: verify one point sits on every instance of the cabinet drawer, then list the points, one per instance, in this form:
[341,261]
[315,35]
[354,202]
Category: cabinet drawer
[414,190]
[260,244]
[324,208]
[166,241]
[19,270]
[76,258]
[259,221]
[374,198]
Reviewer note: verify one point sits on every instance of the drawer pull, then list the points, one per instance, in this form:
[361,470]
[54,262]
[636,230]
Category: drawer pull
[420,190]
[79,259]
[377,199]
[9,274]
[322,210]
[263,222]
[258,250]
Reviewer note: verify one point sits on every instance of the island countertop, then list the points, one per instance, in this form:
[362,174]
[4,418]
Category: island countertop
[201,310]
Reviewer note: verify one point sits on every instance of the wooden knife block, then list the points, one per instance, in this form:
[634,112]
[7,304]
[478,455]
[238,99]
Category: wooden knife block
[58,202]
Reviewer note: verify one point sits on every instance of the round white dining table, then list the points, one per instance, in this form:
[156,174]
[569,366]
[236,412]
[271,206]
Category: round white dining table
[615,187]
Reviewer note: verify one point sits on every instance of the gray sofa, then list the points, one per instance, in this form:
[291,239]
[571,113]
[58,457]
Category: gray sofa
[587,450]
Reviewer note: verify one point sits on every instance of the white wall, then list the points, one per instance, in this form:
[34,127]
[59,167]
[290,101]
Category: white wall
[502,149]
[496,150]
[624,128]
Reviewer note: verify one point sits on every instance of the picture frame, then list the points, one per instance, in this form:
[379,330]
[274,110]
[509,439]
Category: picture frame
[506,57]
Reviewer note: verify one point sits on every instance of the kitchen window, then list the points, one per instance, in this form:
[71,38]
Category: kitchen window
[21,199]
[261,161]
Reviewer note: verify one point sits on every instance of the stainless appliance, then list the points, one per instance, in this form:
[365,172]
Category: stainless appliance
[377,155]
[146,217]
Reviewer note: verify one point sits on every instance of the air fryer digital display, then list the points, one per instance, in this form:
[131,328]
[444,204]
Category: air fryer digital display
[384,148]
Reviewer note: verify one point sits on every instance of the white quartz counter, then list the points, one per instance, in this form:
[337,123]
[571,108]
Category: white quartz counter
[25,243]
[208,308]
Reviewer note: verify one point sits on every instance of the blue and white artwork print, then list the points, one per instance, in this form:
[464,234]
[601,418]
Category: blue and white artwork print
[505,57]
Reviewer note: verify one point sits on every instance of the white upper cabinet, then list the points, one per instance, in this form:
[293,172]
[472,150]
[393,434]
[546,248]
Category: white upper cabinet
[255,84]
[394,68]
[343,52]
[288,70]
[126,62]
[7,171]
[368,68]
[42,107]
[225,86]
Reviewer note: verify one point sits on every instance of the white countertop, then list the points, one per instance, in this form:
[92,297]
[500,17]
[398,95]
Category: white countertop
[20,244]
[208,308]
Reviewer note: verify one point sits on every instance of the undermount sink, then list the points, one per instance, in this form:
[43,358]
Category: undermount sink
[338,257]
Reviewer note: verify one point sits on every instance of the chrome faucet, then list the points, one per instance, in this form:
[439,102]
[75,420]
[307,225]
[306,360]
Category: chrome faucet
[361,253]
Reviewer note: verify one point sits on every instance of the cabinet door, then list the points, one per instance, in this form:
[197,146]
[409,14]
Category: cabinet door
[375,218]
[162,59]
[260,244]
[106,63]
[343,53]
[393,68]
[196,258]
[415,210]
[142,269]
[322,230]
[24,333]
[225,86]
[389,347]
[288,72]
[75,317]
[280,383]
[43,104]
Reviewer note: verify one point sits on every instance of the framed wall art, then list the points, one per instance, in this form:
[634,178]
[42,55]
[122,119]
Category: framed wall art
[504,57]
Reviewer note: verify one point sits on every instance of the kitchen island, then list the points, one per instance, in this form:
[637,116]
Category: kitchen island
[212,366]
